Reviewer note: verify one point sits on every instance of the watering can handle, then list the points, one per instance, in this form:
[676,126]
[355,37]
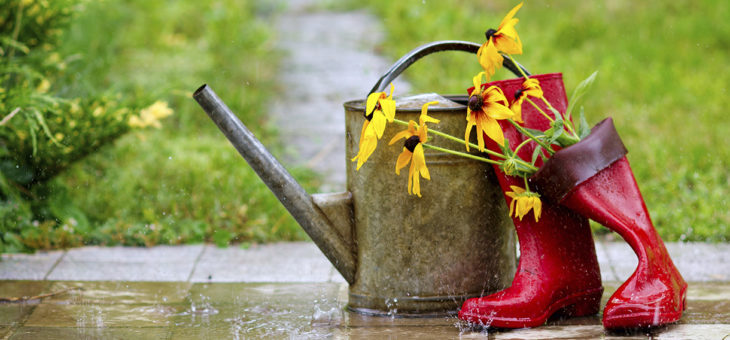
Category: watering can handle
[433,47]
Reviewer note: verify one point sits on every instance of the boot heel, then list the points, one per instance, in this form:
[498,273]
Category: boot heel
[587,304]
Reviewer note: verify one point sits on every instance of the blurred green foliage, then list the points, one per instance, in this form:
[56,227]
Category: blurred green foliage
[41,132]
[180,183]
[661,76]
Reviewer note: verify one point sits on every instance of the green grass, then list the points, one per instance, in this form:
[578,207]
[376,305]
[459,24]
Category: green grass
[184,182]
[661,76]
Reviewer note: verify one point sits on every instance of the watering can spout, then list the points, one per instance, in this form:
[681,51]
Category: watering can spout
[326,218]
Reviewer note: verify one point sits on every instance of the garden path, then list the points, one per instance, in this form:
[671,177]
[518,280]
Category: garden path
[329,58]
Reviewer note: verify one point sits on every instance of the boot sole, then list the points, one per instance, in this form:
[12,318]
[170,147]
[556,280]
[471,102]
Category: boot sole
[579,304]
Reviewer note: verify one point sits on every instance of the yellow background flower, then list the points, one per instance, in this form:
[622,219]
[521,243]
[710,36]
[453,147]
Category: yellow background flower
[150,116]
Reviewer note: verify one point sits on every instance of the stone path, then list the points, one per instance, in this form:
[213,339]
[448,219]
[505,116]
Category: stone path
[290,262]
[329,59]
[286,290]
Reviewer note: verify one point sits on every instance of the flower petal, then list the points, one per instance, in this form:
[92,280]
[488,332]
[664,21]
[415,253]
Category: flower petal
[419,159]
[403,159]
[498,111]
[516,108]
[516,189]
[371,102]
[378,123]
[467,133]
[388,106]
[493,130]
[507,18]
[490,59]
[477,81]
[411,131]
[480,131]
[537,208]
[368,143]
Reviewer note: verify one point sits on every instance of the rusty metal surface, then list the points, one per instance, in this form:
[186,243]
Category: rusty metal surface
[425,255]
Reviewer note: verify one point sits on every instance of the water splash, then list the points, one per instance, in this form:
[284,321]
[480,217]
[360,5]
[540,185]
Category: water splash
[90,316]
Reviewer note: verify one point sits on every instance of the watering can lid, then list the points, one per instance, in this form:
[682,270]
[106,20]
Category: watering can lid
[415,102]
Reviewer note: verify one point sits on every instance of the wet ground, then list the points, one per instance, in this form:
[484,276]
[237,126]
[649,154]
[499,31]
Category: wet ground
[183,310]
[283,290]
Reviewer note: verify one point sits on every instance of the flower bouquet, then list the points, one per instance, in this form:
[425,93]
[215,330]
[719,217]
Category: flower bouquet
[560,172]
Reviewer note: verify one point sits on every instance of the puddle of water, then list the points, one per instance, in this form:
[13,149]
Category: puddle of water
[244,311]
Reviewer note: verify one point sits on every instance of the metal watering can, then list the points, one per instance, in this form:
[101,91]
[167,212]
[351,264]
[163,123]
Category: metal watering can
[400,254]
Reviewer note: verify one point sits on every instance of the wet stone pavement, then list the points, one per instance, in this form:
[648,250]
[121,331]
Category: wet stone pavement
[285,290]
[184,310]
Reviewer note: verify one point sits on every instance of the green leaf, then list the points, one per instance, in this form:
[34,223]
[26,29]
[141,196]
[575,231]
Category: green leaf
[556,130]
[534,132]
[7,41]
[579,92]
[536,153]
[584,129]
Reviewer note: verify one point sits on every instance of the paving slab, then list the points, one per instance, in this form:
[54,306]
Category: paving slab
[119,271]
[279,262]
[118,292]
[100,316]
[161,263]
[157,254]
[28,266]
[699,262]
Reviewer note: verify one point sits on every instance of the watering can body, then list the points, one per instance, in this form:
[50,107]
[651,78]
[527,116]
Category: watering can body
[423,255]
[401,255]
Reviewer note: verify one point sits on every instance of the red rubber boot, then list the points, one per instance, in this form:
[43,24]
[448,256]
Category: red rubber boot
[594,179]
[558,269]
[655,293]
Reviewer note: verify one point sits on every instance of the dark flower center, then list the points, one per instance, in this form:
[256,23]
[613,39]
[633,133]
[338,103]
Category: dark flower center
[490,33]
[475,102]
[411,143]
[518,93]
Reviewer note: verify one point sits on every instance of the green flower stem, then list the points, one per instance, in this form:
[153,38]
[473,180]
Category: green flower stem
[462,154]
[529,135]
[568,123]
[540,110]
[524,142]
[519,68]
[452,138]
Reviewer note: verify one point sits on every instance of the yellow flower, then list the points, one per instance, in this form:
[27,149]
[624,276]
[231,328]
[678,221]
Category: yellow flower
[531,87]
[413,150]
[44,86]
[503,39]
[151,115]
[368,142]
[378,109]
[484,109]
[524,201]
